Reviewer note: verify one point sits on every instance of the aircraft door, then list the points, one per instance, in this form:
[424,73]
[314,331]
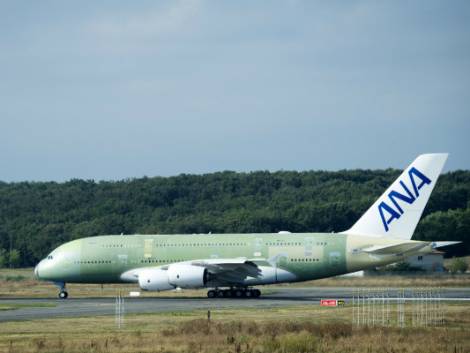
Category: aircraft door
[122,258]
[148,248]
[308,247]
[257,247]
[335,258]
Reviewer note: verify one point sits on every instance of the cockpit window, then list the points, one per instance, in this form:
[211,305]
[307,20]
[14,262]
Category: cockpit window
[49,257]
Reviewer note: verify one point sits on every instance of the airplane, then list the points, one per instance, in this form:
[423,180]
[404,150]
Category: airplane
[230,265]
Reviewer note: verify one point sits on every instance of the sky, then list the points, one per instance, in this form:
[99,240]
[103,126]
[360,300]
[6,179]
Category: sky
[121,89]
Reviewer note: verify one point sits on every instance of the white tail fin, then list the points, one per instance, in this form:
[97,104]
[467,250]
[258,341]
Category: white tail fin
[397,212]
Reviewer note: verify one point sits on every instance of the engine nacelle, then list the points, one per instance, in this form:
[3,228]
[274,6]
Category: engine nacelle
[154,279]
[187,276]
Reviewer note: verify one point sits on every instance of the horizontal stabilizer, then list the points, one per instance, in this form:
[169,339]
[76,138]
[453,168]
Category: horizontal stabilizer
[396,249]
[441,244]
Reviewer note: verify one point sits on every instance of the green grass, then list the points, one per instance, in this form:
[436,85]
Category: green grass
[20,306]
[15,278]
[302,328]
[17,273]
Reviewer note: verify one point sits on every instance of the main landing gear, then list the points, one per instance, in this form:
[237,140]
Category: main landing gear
[234,293]
[63,291]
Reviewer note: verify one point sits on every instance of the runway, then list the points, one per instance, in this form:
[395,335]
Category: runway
[280,296]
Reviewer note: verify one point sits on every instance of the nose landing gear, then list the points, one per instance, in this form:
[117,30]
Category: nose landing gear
[234,293]
[63,291]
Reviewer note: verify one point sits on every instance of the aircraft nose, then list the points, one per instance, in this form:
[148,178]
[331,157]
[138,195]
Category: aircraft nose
[36,271]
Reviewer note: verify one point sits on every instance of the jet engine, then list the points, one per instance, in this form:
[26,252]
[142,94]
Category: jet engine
[177,275]
[154,279]
[187,276]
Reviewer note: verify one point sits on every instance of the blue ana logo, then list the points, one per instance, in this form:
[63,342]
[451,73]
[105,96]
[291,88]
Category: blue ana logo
[406,196]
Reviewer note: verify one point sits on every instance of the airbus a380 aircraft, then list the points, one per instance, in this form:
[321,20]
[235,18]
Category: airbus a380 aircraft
[237,262]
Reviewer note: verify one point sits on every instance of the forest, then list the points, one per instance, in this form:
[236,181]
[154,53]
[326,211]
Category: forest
[35,217]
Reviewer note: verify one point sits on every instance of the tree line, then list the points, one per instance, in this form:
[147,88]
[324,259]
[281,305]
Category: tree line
[35,217]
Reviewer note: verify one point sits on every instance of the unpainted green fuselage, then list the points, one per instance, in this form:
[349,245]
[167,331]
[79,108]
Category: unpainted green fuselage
[307,256]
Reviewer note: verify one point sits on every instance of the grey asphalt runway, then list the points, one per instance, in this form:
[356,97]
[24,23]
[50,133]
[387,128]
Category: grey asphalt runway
[106,306]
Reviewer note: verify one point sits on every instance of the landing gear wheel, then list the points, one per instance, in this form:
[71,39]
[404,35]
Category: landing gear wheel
[63,294]
[238,293]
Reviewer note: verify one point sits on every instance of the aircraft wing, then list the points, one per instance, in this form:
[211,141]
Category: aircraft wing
[230,270]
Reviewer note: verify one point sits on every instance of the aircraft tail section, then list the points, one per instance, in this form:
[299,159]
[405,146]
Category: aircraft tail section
[397,212]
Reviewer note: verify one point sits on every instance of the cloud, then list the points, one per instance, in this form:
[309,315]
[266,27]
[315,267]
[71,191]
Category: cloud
[147,23]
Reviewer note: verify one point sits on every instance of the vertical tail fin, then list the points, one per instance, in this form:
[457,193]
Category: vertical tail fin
[397,212]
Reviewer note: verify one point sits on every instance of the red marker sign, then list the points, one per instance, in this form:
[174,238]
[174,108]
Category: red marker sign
[331,302]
